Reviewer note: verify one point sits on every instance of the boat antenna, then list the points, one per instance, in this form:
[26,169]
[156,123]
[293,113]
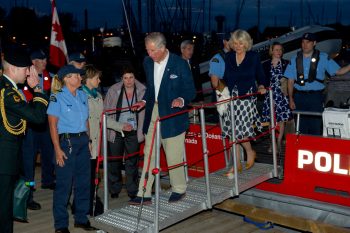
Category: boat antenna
[127,22]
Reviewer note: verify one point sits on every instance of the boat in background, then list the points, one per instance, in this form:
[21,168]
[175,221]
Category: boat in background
[329,41]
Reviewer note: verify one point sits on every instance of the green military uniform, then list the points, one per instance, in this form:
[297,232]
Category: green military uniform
[15,112]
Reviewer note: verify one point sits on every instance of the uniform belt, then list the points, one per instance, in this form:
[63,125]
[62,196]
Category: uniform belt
[308,92]
[71,135]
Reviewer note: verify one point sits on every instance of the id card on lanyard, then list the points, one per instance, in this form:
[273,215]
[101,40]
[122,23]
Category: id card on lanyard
[132,118]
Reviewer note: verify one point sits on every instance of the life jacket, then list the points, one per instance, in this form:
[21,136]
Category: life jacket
[315,57]
[28,92]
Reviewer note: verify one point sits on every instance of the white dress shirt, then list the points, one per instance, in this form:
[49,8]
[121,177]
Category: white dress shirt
[159,69]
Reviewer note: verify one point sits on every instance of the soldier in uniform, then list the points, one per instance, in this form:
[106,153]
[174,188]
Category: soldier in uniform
[15,112]
[41,133]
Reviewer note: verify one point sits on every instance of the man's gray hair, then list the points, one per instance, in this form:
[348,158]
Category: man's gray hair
[185,43]
[157,38]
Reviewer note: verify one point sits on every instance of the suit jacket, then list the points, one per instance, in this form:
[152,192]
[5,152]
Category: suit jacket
[176,82]
[13,109]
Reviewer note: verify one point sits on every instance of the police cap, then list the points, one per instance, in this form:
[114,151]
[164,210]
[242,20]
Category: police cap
[17,56]
[227,36]
[68,69]
[77,57]
[309,36]
[37,54]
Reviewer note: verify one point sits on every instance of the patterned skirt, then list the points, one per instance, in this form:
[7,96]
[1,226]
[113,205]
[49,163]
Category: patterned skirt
[246,118]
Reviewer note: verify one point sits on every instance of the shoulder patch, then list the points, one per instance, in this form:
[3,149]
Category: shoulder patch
[215,60]
[53,98]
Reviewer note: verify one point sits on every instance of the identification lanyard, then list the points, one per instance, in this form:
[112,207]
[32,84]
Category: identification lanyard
[132,99]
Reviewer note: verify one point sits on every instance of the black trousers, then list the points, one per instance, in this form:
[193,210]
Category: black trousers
[310,102]
[124,146]
[6,203]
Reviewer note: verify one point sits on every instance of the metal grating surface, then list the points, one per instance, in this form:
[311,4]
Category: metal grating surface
[125,218]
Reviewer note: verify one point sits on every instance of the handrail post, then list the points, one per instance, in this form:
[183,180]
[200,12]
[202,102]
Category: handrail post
[185,163]
[298,124]
[273,133]
[224,144]
[105,162]
[205,157]
[233,139]
[157,178]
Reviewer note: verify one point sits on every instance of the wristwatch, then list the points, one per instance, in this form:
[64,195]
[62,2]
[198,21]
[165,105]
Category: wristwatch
[37,87]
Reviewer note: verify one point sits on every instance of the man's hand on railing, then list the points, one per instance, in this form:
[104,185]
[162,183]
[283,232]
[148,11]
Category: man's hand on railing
[138,106]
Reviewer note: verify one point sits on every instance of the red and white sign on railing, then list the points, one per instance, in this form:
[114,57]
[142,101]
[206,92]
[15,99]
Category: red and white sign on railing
[317,168]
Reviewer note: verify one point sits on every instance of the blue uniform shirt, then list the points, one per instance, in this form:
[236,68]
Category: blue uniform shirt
[72,111]
[324,64]
[217,66]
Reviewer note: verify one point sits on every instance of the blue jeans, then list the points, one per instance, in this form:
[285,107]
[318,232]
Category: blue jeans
[75,173]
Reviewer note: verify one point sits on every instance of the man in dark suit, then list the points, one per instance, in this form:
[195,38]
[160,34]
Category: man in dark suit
[187,50]
[13,120]
[170,88]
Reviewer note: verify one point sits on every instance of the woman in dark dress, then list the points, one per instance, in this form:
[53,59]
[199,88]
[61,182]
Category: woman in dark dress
[243,69]
[274,69]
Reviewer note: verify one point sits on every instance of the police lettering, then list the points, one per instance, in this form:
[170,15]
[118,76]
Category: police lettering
[322,161]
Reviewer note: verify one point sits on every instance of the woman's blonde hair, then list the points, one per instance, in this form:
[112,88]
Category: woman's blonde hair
[90,72]
[57,84]
[242,36]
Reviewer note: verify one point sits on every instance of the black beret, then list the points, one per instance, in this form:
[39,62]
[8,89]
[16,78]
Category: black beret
[17,56]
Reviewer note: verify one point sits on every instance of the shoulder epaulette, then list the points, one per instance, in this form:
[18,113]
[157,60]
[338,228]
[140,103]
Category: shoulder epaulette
[41,100]
[12,129]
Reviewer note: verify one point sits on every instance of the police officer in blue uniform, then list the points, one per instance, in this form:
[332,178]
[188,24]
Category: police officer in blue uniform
[68,120]
[217,63]
[15,112]
[306,73]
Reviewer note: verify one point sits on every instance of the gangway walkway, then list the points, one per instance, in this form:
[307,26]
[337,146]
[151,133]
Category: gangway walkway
[201,193]
[124,219]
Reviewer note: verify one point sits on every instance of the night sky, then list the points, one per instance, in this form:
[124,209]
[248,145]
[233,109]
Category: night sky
[273,12]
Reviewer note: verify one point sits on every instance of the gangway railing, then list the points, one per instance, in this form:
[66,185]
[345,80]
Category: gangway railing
[216,187]
[307,113]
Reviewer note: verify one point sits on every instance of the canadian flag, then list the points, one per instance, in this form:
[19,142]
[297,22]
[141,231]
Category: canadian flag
[58,49]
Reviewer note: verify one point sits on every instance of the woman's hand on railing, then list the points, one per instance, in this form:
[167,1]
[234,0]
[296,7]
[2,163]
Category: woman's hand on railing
[291,103]
[261,89]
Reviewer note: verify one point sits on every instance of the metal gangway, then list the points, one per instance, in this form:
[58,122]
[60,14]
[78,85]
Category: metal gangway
[201,194]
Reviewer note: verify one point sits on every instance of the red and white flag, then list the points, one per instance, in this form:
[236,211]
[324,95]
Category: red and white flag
[58,49]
